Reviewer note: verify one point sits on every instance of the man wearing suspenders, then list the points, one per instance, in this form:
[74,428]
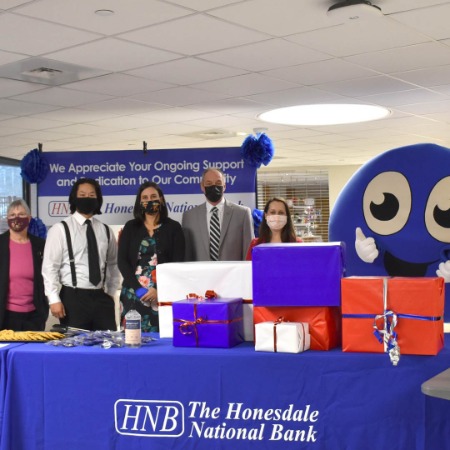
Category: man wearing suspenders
[80,263]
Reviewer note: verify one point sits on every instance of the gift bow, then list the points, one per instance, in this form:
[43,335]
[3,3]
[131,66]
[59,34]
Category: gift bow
[387,335]
[209,295]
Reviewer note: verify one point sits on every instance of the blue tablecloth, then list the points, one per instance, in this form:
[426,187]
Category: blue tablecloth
[4,348]
[161,397]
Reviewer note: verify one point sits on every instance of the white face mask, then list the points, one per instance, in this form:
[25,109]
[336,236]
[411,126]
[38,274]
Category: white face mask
[276,222]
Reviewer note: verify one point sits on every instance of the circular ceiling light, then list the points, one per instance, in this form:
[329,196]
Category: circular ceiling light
[324,114]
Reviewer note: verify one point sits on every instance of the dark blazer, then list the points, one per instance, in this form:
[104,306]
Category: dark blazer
[169,247]
[39,299]
[236,233]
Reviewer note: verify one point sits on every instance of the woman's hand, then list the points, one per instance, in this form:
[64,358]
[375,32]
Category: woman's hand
[150,296]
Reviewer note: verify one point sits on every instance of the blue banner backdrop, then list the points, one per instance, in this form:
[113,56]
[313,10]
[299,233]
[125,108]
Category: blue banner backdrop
[120,173]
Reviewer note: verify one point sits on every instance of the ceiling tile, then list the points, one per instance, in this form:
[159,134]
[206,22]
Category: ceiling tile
[81,14]
[37,37]
[265,55]
[419,56]
[118,84]
[186,71]
[61,97]
[203,5]
[280,18]
[201,34]
[179,96]
[430,77]
[432,21]
[320,72]
[366,86]
[16,108]
[112,54]
[343,40]
[245,85]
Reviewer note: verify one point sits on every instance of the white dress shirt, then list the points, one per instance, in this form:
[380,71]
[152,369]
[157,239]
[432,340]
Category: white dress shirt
[56,266]
[220,206]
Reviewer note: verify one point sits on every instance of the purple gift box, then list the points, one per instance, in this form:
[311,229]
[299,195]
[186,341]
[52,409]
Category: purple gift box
[298,274]
[208,323]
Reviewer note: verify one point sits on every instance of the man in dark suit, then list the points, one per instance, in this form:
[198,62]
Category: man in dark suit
[234,230]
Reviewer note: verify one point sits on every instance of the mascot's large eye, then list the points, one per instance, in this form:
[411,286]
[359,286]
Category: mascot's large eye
[387,203]
[437,211]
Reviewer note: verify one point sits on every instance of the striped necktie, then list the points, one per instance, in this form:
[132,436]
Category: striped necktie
[214,234]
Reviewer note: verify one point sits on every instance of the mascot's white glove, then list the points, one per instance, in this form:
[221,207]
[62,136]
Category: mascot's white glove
[444,271]
[366,248]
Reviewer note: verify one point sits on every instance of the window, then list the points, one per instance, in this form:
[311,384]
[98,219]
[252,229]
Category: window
[307,195]
[11,187]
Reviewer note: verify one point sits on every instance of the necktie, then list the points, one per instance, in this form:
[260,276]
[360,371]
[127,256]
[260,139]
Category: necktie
[214,234]
[93,258]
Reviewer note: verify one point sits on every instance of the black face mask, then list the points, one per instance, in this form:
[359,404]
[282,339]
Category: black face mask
[153,207]
[213,193]
[86,205]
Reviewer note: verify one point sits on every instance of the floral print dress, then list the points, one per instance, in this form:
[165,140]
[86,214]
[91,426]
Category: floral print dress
[146,275]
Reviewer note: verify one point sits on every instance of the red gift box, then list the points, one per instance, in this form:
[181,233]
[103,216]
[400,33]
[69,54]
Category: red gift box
[417,303]
[324,321]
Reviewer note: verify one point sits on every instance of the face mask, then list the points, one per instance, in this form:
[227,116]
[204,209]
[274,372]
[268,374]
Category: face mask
[18,223]
[153,207]
[276,222]
[213,193]
[86,205]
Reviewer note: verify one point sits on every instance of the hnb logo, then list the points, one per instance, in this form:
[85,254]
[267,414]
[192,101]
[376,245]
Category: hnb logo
[149,418]
[58,209]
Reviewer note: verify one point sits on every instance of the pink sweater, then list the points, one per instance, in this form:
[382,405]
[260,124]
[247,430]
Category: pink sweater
[21,275]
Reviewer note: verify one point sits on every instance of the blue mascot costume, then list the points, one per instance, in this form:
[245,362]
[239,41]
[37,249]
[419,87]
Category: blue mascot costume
[394,215]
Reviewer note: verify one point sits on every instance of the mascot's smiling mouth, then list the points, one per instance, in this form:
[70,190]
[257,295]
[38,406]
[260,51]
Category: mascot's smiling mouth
[396,267]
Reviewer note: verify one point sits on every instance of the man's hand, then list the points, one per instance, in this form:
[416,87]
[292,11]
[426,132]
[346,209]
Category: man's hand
[366,248]
[57,310]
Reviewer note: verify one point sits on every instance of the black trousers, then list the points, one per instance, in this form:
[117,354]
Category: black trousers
[90,309]
[30,321]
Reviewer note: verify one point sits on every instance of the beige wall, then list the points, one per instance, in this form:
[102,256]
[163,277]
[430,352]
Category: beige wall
[337,178]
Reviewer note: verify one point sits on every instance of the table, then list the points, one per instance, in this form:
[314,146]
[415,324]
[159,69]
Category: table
[437,403]
[161,397]
[4,348]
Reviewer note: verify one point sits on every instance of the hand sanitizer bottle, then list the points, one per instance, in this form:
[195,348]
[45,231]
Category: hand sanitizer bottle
[132,329]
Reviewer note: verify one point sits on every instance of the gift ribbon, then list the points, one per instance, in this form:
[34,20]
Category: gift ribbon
[387,335]
[190,326]
[304,336]
[277,322]
[282,320]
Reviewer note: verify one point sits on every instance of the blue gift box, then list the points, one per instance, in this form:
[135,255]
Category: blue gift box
[208,323]
[298,274]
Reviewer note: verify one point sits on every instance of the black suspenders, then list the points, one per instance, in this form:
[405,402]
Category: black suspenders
[72,259]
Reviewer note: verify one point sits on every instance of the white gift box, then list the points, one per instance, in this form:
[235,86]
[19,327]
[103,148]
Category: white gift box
[228,279]
[288,337]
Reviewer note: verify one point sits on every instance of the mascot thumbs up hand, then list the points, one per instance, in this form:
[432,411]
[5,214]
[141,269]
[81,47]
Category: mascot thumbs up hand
[444,271]
[366,248]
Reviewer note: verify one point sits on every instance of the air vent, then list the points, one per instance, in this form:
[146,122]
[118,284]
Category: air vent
[43,72]
[47,71]
[212,134]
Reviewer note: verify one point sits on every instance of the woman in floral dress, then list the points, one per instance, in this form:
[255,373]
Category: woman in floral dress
[151,238]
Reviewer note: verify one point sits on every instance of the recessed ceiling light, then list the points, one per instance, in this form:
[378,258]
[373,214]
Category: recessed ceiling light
[104,12]
[324,114]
